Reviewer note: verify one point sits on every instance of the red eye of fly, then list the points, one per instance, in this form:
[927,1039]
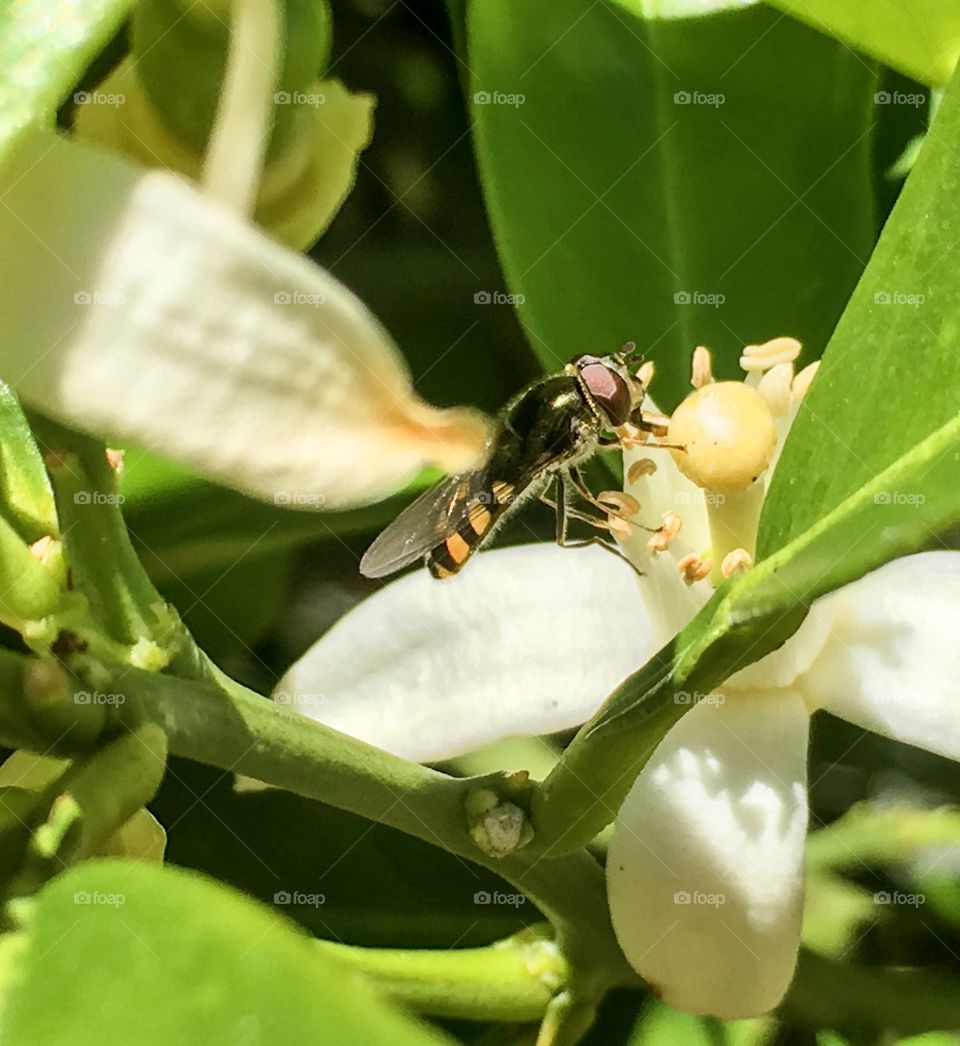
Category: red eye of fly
[607,389]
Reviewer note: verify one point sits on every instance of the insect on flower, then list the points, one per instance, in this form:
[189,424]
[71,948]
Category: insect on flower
[542,437]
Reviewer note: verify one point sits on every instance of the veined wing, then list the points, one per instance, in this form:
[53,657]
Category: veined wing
[424,524]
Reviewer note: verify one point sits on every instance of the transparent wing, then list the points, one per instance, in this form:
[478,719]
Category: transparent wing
[423,525]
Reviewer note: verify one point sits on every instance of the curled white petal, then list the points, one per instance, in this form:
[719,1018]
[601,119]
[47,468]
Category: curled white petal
[140,309]
[705,866]
[525,640]
[891,662]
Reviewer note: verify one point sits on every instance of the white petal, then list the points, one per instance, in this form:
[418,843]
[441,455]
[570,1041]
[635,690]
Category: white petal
[525,640]
[140,309]
[891,662]
[705,866]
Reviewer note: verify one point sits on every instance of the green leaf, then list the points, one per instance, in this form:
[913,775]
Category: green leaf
[887,396]
[43,56]
[920,38]
[169,956]
[686,158]
[25,491]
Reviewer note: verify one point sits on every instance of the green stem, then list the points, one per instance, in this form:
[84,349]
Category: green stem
[243,733]
[103,564]
[513,980]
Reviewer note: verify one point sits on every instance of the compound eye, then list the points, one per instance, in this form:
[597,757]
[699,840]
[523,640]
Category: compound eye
[608,390]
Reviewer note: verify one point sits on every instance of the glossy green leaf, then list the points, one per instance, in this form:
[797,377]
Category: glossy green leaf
[919,37]
[43,53]
[169,956]
[675,181]
[890,378]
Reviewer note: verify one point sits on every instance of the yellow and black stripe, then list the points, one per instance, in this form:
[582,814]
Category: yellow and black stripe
[484,509]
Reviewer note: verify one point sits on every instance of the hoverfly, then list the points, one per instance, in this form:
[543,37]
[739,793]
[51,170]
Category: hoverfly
[541,438]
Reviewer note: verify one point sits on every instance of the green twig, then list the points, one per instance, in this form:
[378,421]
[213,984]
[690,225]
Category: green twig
[513,980]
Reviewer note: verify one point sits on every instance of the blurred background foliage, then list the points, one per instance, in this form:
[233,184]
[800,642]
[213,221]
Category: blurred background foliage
[800,136]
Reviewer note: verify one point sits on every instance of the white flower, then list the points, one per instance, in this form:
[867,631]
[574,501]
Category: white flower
[705,863]
[139,305]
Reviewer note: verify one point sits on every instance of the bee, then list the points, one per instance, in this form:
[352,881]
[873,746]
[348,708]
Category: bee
[542,437]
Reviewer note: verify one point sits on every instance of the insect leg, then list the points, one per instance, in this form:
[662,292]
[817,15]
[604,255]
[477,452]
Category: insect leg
[570,513]
[563,512]
[584,491]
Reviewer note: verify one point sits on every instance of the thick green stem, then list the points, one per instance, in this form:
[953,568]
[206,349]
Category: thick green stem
[513,980]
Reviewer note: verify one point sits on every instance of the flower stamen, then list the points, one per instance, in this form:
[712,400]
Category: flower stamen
[769,354]
[701,369]
[737,561]
[692,568]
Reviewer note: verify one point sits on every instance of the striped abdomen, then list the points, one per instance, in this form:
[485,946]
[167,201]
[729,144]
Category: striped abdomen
[484,508]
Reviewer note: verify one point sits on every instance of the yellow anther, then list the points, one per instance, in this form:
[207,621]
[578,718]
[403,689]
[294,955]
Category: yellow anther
[770,353]
[736,561]
[692,568]
[701,370]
